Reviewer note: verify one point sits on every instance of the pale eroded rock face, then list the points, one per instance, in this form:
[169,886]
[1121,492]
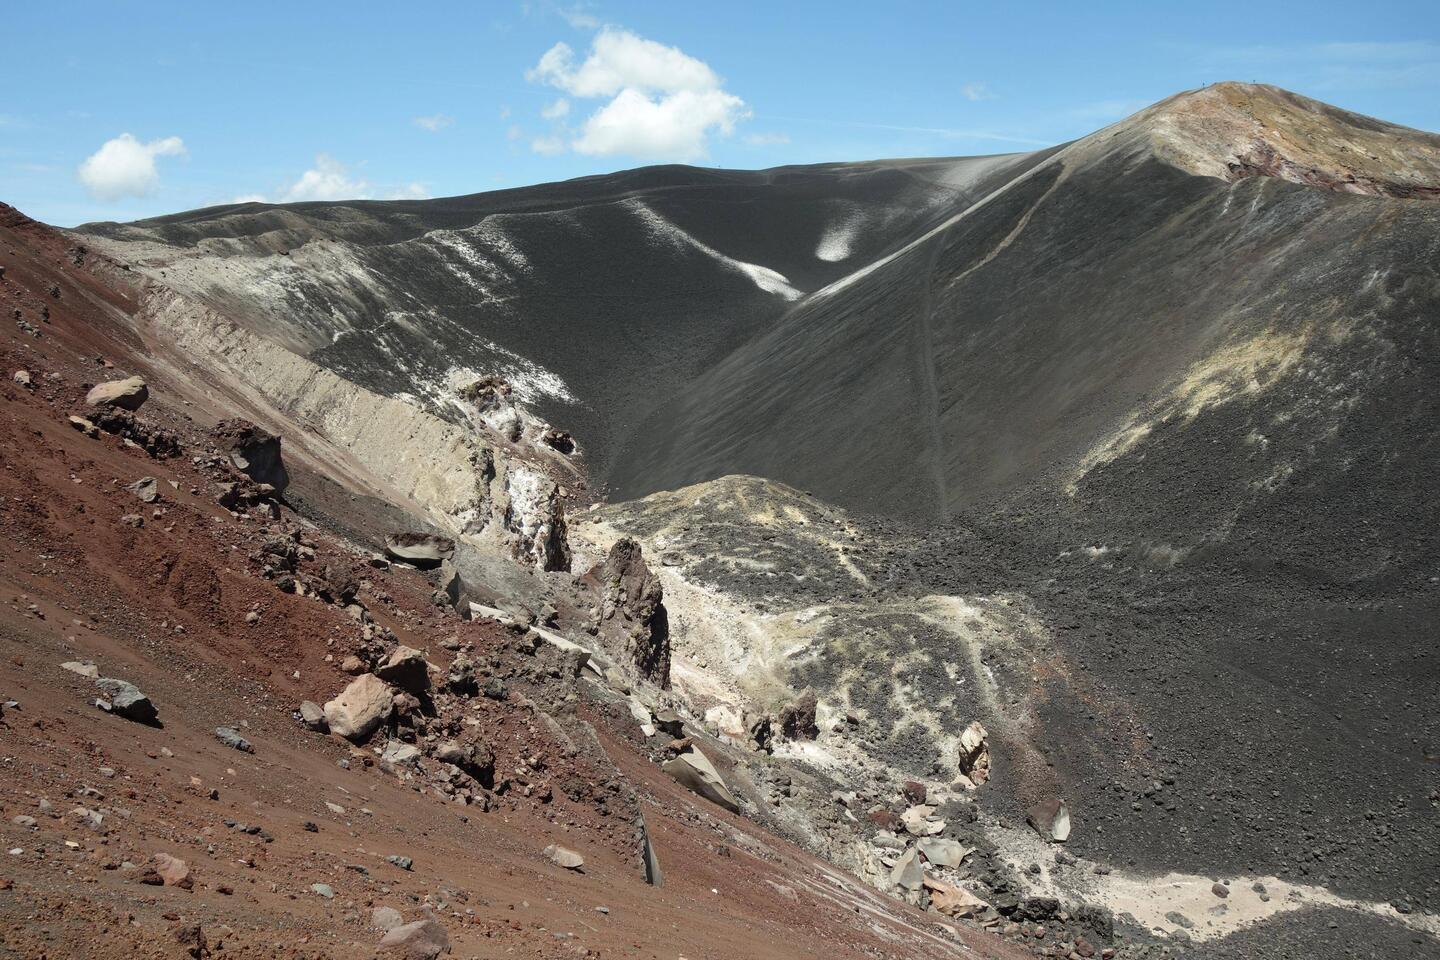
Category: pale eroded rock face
[534,514]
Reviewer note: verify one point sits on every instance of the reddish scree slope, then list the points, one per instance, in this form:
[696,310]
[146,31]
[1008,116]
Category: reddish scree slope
[164,606]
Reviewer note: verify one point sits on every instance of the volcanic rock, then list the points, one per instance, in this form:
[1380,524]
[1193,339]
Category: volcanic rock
[953,901]
[312,715]
[126,700]
[127,394]
[231,738]
[797,720]
[421,940]
[360,708]
[975,753]
[173,871]
[146,489]
[406,668]
[694,770]
[253,451]
[633,616]
[908,872]
[565,857]
[423,550]
[1050,819]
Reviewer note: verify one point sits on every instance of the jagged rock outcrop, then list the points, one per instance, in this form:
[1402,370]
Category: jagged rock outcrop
[633,618]
[534,515]
[253,451]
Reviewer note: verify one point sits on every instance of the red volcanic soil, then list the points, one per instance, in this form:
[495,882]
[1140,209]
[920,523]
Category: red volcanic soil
[166,605]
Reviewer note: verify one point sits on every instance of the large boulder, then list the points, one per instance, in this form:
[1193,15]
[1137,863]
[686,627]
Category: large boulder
[360,708]
[253,451]
[908,872]
[694,770]
[953,901]
[633,618]
[421,940]
[124,699]
[127,394]
[1051,819]
[975,753]
[533,513]
[423,550]
[406,668]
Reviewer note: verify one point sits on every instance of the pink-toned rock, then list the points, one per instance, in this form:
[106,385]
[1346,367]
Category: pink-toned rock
[421,940]
[360,708]
[173,871]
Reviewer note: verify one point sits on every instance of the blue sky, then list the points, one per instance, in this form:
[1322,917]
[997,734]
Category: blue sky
[115,111]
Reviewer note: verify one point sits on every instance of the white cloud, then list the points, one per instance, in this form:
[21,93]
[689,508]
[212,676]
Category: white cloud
[663,103]
[976,91]
[125,167]
[504,111]
[578,18]
[556,110]
[767,139]
[548,145]
[434,123]
[327,180]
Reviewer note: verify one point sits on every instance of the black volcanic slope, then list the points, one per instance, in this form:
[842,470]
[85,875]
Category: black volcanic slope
[1177,382]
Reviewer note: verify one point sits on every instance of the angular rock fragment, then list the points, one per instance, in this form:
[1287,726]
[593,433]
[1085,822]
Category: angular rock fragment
[127,394]
[564,857]
[84,668]
[253,451]
[231,738]
[360,708]
[423,550]
[633,617]
[146,489]
[975,753]
[694,770]
[1050,819]
[953,901]
[173,871]
[908,872]
[124,699]
[797,720]
[942,852]
[421,940]
[406,668]
[312,715]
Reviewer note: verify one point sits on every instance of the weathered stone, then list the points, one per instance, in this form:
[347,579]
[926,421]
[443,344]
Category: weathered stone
[918,822]
[423,550]
[953,901]
[312,715]
[650,859]
[908,873]
[797,720]
[404,863]
[421,940]
[366,703]
[253,451]
[1050,819]
[406,668]
[943,852]
[694,770]
[975,753]
[173,871]
[126,700]
[231,738]
[400,753]
[127,394]
[564,857]
[85,426]
[634,620]
[84,668]
[323,890]
[146,489]
[385,919]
